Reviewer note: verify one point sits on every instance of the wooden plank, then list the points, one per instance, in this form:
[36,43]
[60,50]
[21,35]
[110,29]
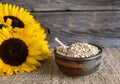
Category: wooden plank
[101,28]
[66,5]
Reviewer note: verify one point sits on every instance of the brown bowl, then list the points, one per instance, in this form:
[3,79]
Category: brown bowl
[78,66]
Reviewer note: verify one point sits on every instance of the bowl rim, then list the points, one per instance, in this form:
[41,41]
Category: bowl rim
[98,55]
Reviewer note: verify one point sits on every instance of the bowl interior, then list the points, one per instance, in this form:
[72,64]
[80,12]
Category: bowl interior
[80,59]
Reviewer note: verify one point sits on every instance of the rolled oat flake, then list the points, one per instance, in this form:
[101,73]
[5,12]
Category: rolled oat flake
[78,50]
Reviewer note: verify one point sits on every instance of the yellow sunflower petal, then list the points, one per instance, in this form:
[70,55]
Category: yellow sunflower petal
[13,9]
[37,57]
[10,8]
[31,65]
[2,36]
[34,52]
[26,68]
[9,21]
[15,69]
[6,9]
[1,64]
[1,11]
[6,33]
[9,72]
[5,68]
[33,61]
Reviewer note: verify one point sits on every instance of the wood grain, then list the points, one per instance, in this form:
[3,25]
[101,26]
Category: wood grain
[100,28]
[66,5]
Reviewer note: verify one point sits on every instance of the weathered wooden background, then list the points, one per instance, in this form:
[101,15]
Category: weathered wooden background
[93,21]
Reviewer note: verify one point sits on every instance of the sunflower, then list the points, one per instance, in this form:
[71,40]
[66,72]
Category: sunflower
[20,51]
[20,17]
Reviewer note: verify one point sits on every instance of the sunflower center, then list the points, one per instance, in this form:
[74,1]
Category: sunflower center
[15,21]
[13,52]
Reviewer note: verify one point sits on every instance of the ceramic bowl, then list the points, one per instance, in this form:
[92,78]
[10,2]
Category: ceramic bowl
[78,66]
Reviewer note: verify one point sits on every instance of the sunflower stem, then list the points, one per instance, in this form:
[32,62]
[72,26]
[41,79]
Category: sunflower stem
[58,41]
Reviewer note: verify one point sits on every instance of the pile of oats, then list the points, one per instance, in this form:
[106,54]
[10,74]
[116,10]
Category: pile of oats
[78,50]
